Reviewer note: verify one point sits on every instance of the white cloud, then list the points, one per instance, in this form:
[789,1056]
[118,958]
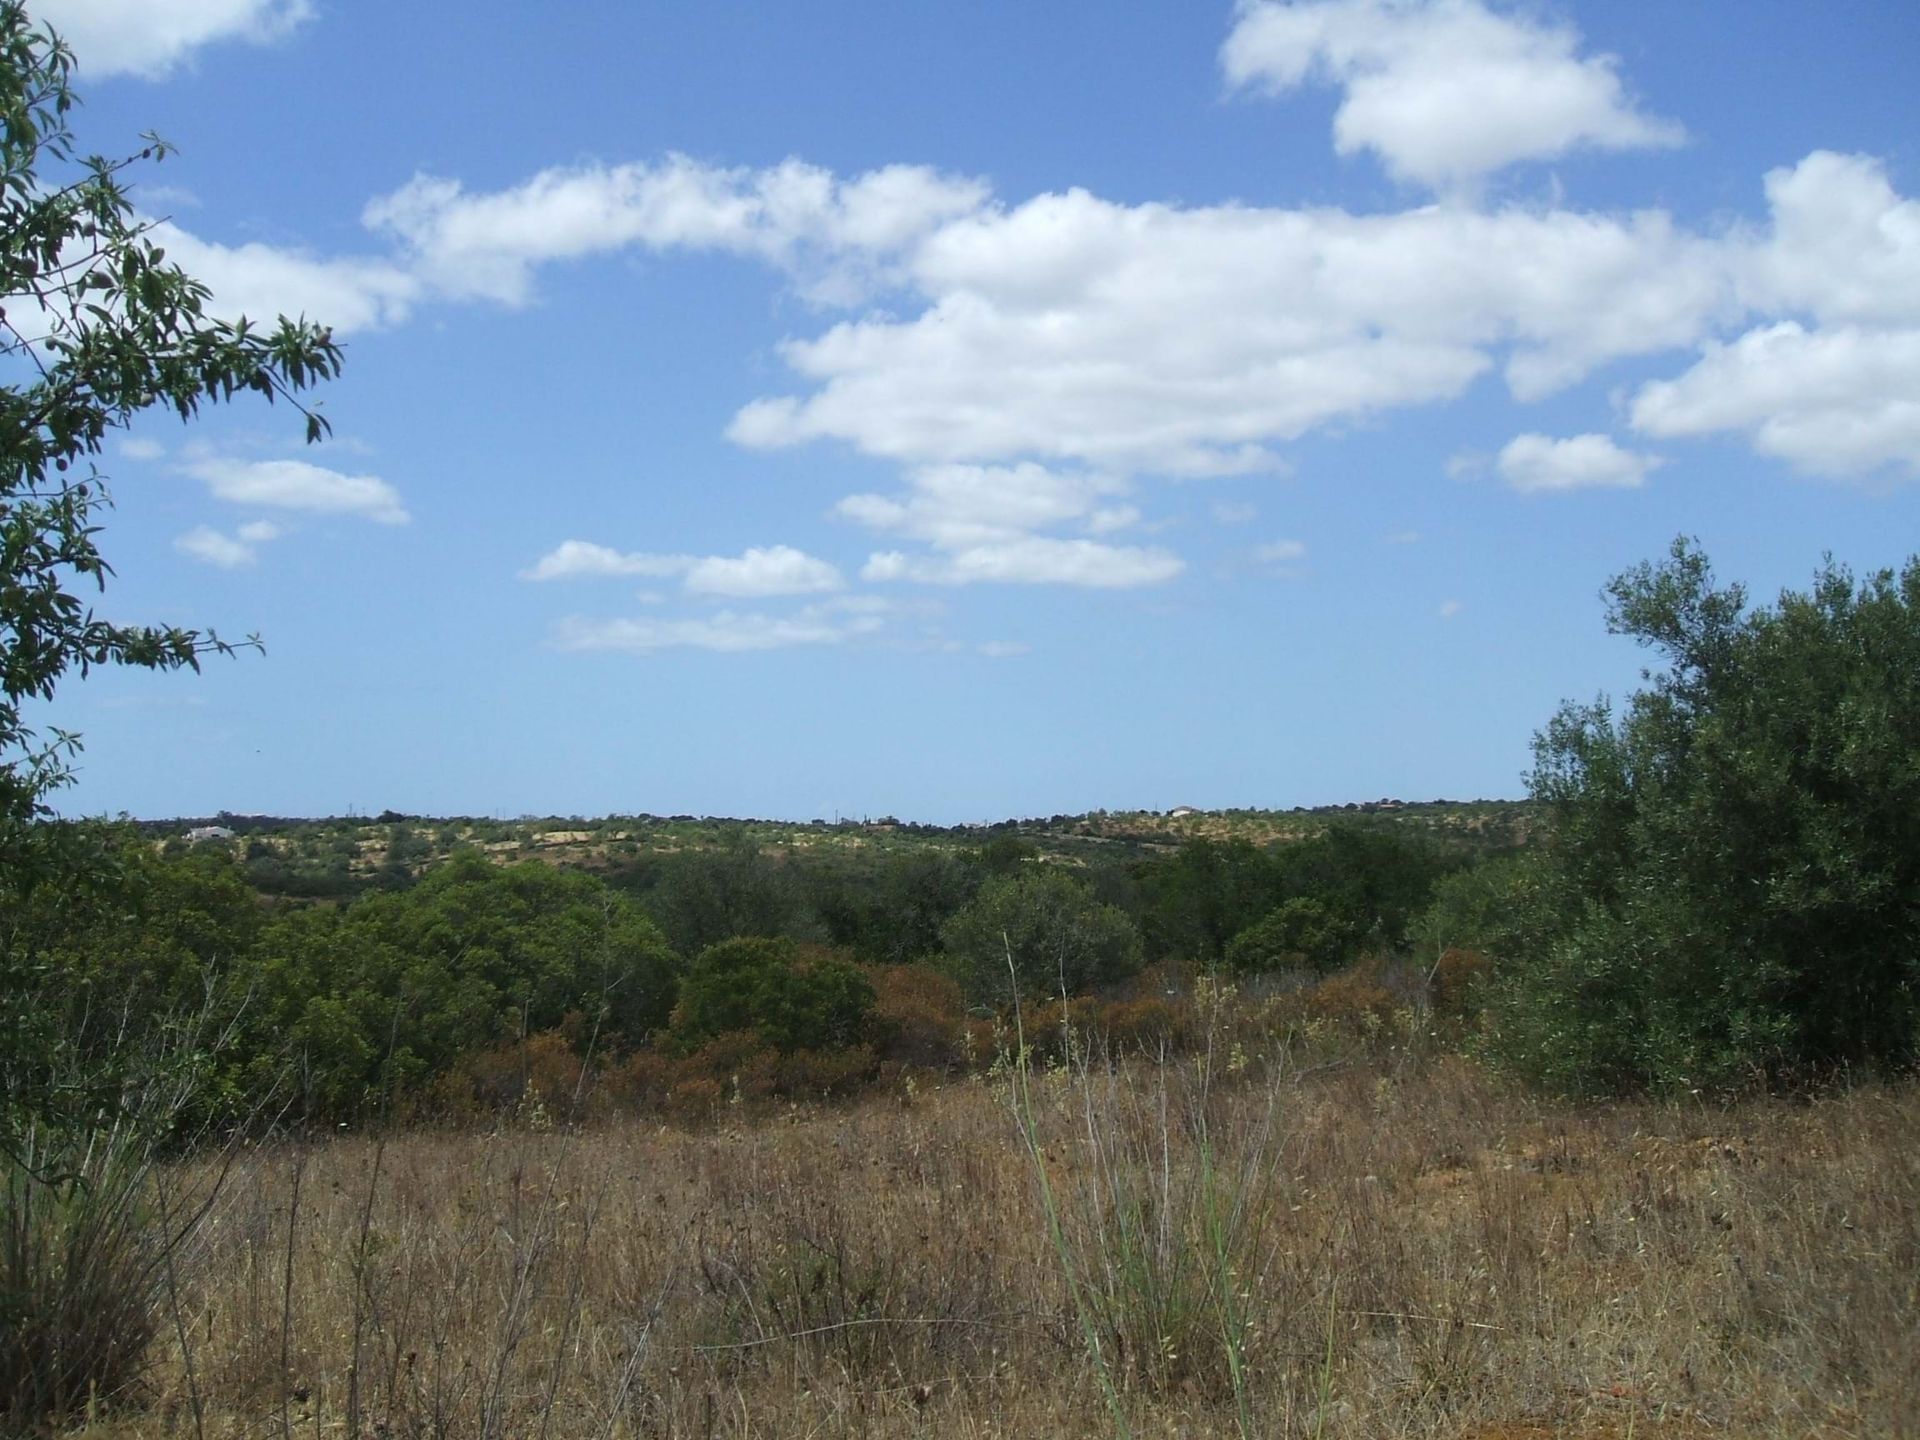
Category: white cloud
[1030,560]
[772,570]
[1443,91]
[1109,518]
[229,552]
[1233,512]
[582,559]
[1153,338]
[1538,462]
[141,449]
[1836,402]
[982,520]
[297,485]
[760,572]
[952,506]
[1280,552]
[266,281]
[151,37]
[839,237]
[1450,608]
[1843,246]
[1404,537]
[1003,649]
[205,543]
[1837,397]
[1097,342]
[727,631]
[1070,330]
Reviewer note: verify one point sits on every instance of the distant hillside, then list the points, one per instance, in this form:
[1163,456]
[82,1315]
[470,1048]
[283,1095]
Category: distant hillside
[334,857]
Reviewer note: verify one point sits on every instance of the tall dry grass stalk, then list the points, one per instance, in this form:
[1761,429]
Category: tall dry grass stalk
[96,1232]
[1392,1248]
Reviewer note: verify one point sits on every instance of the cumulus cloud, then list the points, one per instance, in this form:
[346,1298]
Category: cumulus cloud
[1443,91]
[1098,341]
[759,572]
[1150,338]
[727,631]
[1034,360]
[953,506]
[769,570]
[205,543]
[841,238]
[584,560]
[297,485]
[1843,401]
[151,37]
[228,552]
[983,522]
[1583,462]
[1843,246]
[266,281]
[1833,389]
[1031,560]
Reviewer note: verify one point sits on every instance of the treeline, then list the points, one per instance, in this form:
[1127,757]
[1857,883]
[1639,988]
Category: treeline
[339,858]
[815,974]
[1725,892]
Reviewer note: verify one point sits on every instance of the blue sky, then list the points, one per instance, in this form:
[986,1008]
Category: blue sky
[970,411]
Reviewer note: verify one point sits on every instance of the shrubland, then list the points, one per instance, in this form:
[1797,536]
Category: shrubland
[1309,1125]
[1356,1132]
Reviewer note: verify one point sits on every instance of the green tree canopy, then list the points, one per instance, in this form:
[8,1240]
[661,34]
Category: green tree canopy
[1732,869]
[471,955]
[1057,934]
[736,888]
[1195,901]
[1300,933]
[795,997]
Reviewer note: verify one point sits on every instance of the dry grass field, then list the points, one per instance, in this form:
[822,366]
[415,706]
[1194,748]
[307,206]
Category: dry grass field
[1387,1247]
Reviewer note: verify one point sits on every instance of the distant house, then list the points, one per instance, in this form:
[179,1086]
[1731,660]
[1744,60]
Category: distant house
[1181,812]
[208,832]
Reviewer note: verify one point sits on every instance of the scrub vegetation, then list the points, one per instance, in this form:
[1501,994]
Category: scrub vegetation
[1383,1128]
[1592,1115]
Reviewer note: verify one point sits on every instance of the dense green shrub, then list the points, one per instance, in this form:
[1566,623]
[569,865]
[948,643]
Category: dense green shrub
[1367,882]
[141,951]
[702,897]
[1300,933]
[1498,907]
[1730,884]
[1196,900]
[793,997]
[892,913]
[1046,923]
[376,999]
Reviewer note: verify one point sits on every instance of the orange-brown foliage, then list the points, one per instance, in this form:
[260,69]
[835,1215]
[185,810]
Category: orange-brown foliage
[1456,975]
[918,1018]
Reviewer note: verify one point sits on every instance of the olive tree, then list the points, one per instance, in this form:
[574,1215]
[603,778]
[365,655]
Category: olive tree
[1731,876]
